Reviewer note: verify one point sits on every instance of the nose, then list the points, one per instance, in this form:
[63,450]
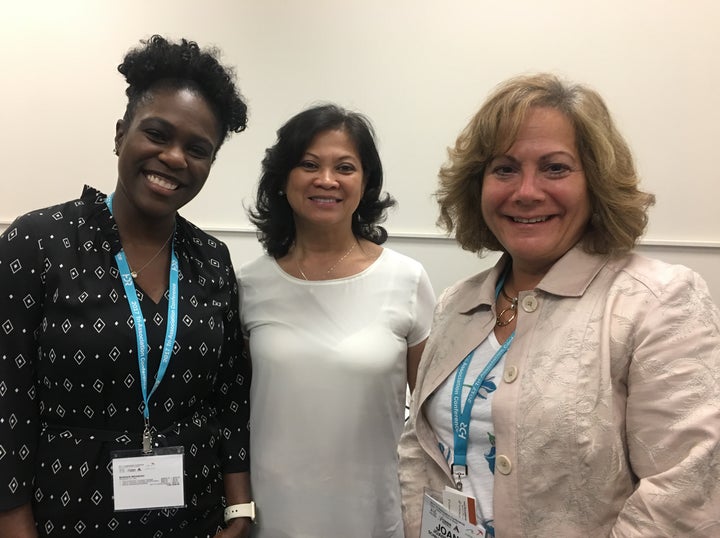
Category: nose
[325,178]
[173,156]
[529,189]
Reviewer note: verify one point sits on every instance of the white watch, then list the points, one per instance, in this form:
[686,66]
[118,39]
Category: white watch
[240,510]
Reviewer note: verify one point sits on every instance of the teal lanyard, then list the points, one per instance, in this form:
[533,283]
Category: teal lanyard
[141,333]
[461,417]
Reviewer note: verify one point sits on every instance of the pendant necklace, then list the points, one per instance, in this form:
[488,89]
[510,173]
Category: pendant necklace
[511,310]
[135,273]
[297,262]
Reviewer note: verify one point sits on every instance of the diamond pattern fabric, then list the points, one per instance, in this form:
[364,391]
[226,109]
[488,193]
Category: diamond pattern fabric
[69,382]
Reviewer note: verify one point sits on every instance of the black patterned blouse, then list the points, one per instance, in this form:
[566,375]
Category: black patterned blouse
[69,382]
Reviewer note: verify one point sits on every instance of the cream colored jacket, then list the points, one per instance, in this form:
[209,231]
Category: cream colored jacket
[607,421]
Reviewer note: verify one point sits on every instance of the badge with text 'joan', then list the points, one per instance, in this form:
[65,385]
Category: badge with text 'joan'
[440,521]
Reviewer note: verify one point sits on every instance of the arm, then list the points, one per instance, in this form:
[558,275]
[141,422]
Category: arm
[237,491]
[234,415]
[423,314]
[414,461]
[413,473]
[417,469]
[18,522]
[413,360]
[21,312]
[673,415]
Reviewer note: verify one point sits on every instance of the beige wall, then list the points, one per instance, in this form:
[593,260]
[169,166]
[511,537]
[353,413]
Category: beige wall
[418,68]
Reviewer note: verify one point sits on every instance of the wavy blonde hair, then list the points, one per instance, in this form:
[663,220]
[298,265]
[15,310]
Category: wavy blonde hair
[618,207]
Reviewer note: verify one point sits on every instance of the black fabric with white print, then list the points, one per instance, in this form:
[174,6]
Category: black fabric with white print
[69,382]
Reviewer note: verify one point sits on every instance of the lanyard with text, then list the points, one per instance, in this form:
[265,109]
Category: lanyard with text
[141,333]
[461,417]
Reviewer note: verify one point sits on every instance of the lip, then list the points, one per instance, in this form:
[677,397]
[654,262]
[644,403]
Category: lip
[161,182]
[539,219]
[326,200]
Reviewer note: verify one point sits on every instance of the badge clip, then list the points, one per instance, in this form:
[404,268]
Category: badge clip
[459,472]
[147,439]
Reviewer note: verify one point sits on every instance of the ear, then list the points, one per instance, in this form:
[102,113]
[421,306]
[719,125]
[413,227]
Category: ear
[119,134]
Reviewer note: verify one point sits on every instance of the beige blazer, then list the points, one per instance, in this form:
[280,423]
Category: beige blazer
[607,421]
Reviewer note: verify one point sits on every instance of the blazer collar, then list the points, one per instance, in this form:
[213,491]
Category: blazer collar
[479,290]
[570,276]
[471,310]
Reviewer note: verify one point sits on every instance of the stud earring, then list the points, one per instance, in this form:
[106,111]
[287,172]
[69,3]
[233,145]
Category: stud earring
[281,192]
[115,151]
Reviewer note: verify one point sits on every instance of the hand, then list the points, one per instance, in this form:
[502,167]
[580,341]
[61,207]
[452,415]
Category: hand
[236,528]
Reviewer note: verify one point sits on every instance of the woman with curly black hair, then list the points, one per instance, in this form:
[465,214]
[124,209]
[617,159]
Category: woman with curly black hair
[124,401]
[336,326]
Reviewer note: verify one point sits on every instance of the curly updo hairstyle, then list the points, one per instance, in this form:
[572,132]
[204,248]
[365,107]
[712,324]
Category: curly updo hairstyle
[158,63]
[272,213]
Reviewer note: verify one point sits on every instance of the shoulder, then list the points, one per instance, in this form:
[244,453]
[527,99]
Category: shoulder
[197,235]
[53,215]
[401,261]
[261,282]
[658,278]
[202,256]
[466,293]
[258,268]
[47,221]
[201,243]
[660,301]
[397,273]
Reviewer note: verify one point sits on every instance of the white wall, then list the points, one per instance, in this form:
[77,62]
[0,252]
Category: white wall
[418,68]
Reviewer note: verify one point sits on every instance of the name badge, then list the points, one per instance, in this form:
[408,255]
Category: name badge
[142,482]
[439,521]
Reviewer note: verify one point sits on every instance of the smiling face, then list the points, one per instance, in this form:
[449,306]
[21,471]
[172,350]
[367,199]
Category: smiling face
[325,187]
[165,152]
[534,197]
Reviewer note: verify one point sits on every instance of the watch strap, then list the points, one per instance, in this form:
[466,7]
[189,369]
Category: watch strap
[240,510]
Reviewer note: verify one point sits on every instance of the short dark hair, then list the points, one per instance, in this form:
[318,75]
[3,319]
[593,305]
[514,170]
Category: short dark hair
[272,213]
[158,63]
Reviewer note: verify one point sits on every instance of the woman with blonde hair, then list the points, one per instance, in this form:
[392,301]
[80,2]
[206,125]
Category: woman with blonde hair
[573,389]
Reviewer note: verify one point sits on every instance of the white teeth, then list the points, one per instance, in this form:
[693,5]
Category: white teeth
[323,200]
[530,221]
[164,183]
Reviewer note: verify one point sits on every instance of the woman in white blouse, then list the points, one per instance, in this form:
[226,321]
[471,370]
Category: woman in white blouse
[336,325]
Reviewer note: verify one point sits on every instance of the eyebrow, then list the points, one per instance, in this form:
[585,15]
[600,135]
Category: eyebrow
[543,158]
[347,156]
[166,124]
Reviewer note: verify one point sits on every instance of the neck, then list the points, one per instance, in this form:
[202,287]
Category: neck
[323,257]
[323,241]
[523,278]
[137,227]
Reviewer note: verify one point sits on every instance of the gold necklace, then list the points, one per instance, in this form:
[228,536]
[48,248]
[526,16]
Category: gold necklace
[297,262]
[135,274]
[512,309]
